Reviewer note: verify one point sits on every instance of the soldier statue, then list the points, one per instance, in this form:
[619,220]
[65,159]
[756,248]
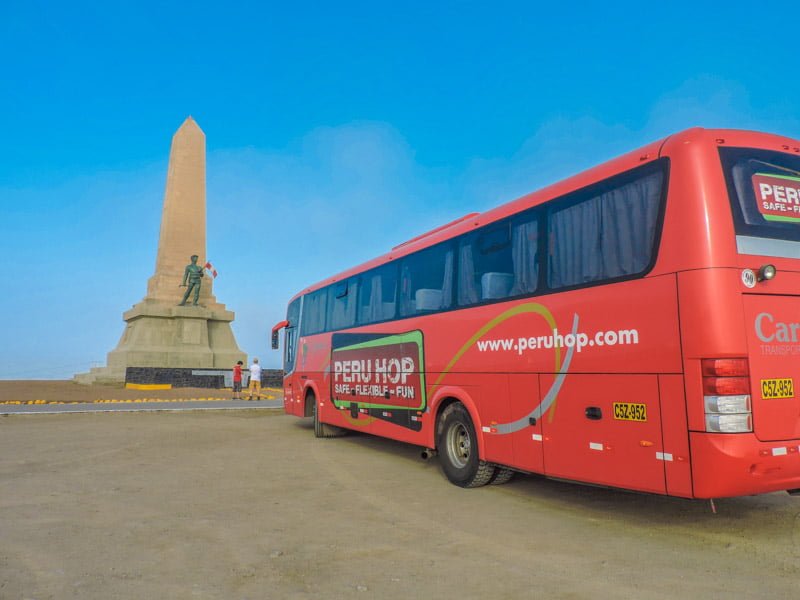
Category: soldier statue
[194,275]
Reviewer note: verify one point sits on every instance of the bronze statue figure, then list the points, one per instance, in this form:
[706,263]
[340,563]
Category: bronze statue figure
[194,274]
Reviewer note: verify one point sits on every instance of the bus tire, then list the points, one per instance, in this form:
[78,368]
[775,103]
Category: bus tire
[501,476]
[457,444]
[323,430]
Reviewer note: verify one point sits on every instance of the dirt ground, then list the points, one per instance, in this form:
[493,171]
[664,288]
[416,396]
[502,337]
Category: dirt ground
[248,504]
[69,391]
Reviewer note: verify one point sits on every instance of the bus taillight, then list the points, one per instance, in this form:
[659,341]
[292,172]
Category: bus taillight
[726,389]
[725,367]
[726,386]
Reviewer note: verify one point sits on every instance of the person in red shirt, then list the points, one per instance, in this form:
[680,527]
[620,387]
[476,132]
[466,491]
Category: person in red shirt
[237,380]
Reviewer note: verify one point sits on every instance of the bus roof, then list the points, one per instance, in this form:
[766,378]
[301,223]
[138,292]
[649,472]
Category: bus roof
[643,155]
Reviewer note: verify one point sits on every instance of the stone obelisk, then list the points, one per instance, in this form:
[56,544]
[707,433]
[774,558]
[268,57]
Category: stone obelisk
[159,333]
[183,218]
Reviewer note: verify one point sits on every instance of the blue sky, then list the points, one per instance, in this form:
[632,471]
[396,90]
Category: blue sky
[334,131]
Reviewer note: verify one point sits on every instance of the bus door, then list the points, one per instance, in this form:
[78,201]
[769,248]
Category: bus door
[527,438]
[292,400]
[605,429]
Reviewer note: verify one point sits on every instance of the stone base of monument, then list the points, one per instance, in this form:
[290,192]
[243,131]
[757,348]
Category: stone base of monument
[172,337]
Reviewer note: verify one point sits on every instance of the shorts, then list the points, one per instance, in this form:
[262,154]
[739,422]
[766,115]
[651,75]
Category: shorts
[237,386]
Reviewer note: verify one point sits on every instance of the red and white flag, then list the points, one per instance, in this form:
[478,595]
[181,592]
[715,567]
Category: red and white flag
[210,268]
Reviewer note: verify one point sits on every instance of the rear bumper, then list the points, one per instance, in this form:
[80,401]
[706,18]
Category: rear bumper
[739,465]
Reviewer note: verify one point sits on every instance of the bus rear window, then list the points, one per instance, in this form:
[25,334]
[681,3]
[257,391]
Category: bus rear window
[764,189]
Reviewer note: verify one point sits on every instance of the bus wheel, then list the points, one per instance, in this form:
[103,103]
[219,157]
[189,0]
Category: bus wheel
[458,447]
[501,476]
[323,430]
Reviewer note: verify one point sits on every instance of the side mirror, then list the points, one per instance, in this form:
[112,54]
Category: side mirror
[275,331]
[274,340]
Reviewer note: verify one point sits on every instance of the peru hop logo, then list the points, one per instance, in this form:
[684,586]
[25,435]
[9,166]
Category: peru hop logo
[556,341]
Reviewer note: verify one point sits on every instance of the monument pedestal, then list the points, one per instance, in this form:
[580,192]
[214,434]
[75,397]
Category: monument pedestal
[157,335]
[177,337]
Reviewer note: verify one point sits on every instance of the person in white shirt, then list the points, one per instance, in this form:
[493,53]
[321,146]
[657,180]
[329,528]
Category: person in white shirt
[255,380]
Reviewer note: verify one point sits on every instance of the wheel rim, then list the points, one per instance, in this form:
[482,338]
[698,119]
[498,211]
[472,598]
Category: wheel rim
[459,445]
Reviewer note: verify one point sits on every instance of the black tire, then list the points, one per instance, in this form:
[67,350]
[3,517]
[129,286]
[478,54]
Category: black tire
[308,409]
[457,445]
[501,476]
[323,430]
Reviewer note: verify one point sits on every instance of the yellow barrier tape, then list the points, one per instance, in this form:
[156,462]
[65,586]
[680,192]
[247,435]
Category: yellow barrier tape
[125,401]
[148,386]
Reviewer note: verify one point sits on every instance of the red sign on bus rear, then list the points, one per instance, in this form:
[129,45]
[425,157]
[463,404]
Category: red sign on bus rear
[777,196]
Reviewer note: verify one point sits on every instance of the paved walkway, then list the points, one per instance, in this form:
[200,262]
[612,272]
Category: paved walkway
[137,406]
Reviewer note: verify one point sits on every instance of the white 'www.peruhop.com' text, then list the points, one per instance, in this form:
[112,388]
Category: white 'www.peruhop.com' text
[579,341]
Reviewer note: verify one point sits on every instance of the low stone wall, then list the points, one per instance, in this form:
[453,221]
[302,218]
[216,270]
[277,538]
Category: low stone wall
[272,378]
[199,378]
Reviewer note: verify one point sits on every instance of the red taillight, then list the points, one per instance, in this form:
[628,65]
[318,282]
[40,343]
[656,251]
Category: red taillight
[725,386]
[726,395]
[725,376]
[725,367]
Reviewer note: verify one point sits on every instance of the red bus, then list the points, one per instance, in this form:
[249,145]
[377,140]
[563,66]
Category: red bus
[635,326]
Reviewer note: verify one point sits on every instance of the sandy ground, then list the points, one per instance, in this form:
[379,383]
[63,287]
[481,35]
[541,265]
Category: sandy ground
[250,505]
[69,391]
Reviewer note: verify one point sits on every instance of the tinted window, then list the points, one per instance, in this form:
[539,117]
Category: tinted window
[314,306]
[377,298]
[342,302]
[426,280]
[764,188]
[525,253]
[290,336]
[606,231]
[499,261]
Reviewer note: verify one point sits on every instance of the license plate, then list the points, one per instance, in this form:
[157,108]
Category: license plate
[628,411]
[777,388]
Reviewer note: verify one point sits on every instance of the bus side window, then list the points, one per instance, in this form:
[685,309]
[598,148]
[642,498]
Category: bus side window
[498,262]
[388,305]
[525,254]
[342,304]
[426,280]
[377,295]
[365,294]
[610,234]
[314,312]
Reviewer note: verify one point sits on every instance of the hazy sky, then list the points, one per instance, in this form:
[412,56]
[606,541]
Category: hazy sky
[334,131]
